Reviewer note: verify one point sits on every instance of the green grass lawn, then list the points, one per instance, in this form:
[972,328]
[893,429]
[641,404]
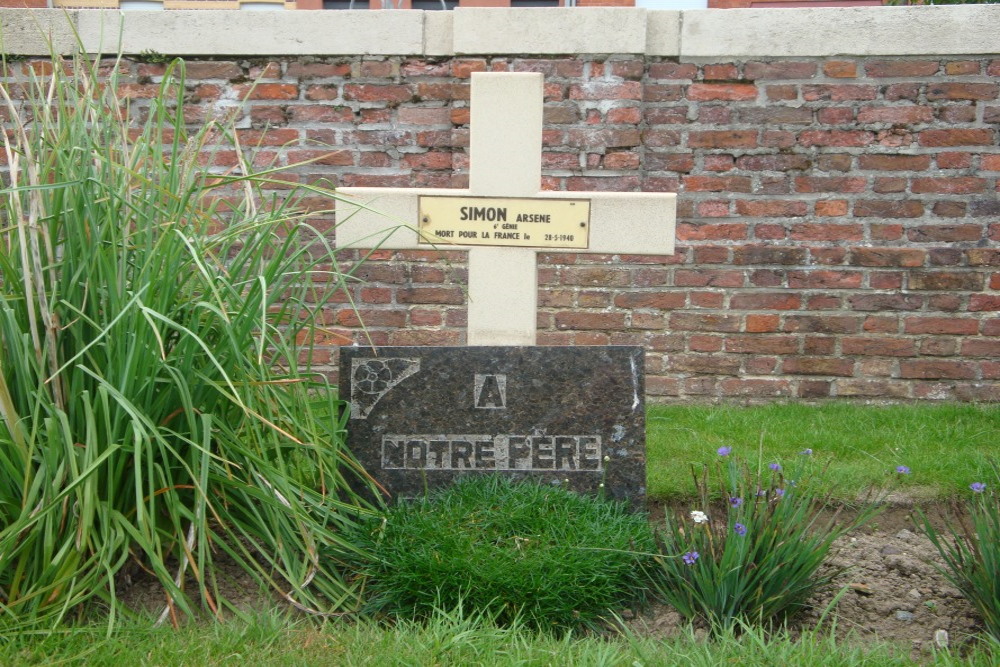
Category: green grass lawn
[944,446]
[447,640]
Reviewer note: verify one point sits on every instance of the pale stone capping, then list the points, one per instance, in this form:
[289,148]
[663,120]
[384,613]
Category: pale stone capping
[856,31]
[663,33]
[689,35]
[550,31]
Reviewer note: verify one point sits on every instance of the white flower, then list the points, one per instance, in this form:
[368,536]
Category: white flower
[699,517]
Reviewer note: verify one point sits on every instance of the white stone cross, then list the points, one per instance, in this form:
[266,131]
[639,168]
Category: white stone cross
[505,154]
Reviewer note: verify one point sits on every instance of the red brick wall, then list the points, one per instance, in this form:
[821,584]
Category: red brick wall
[838,219]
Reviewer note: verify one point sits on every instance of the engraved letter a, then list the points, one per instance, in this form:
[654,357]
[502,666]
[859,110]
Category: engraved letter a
[491,392]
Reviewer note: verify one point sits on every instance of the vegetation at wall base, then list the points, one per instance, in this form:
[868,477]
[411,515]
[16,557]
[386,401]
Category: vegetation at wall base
[970,547]
[540,554]
[156,409]
[750,550]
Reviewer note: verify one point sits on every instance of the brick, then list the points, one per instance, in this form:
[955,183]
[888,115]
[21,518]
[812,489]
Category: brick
[824,279]
[762,255]
[983,302]
[760,344]
[723,139]
[840,69]
[267,91]
[941,325]
[765,301]
[707,232]
[720,72]
[945,233]
[668,70]
[834,162]
[731,92]
[338,158]
[389,93]
[771,208]
[705,343]
[901,68]
[717,184]
[350,317]
[963,91]
[957,137]
[839,93]
[685,321]
[906,257]
[755,388]
[878,347]
[708,364]
[832,324]
[983,256]
[300,70]
[981,347]
[425,295]
[774,115]
[839,184]
[884,302]
[876,388]
[849,138]
[944,280]
[954,160]
[600,90]
[888,208]
[988,207]
[781,93]
[946,256]
[937,369]
[836,116]
[959,185]
[885,162]
[712,300]
[762,323]
[818,366]
[589,320]
[707,278]
[903,115]
[832,208]
[787,162]
[658,300]
[779,70]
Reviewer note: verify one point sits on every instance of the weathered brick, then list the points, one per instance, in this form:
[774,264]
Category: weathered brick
[937,369]
[945,233]
[885,162]
[941,325]
[839,93]
[731,92]
[850,138]
[959,185]
[818,366]
[945,280]
[765,301]
[981,302]
[589,320]
[658,300]
[963,91]
[904,115]
[981,347]
[877,388]
[884,302]
[763,254]
[686,321]
[822,324]
[706,232]
[902,68]
[888,208]
[840,184]
[840,69]
[755,388]
[723,139]
[957,137]
[878,347]
[668,70]
[772,208]
[818,279]
[779,70]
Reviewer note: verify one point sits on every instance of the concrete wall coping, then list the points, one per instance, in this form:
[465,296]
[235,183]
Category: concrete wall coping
[690,34]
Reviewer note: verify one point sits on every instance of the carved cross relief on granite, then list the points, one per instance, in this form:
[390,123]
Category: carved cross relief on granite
[503,219]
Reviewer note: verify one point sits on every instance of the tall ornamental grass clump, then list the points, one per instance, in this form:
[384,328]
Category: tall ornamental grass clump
[155,409]
[970,547]
[513,551]
[749,551]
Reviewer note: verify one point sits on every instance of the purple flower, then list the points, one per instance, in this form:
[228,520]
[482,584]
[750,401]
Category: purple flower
[761,493]
[775,466]
[724,451]
[740,529]
[779,493]
[903,470]
[735,502]
[977,487]
[806,452]
[690,557]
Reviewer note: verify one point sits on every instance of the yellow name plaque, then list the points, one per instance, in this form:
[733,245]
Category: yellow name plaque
[502,221]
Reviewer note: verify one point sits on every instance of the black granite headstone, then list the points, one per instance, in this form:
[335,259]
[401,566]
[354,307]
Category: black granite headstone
[422,416]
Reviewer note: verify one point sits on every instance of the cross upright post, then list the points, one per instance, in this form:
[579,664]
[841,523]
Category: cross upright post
[503,219]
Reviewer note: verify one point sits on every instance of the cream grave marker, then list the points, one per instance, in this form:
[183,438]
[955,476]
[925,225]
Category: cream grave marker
[504,218]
